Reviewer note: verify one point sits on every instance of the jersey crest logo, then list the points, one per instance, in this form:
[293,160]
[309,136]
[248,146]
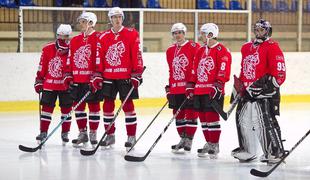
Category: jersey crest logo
[54,67]
[114,54]
[204,67]
[179,64]
[82,57]
[249,65]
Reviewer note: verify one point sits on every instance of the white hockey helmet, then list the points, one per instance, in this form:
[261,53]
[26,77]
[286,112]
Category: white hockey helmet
[89,16]
[116,11]
[178,27]
[210,28]
[64,30]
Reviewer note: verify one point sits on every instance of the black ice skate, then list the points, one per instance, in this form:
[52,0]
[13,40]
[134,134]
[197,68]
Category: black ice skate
[82,139]
[93,138]
[177,148]
[65,138]
[108,142]
[41,137]
[130,142]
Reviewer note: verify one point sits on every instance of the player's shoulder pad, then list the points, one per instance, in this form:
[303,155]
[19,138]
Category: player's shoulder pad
[272,42]
[48,45]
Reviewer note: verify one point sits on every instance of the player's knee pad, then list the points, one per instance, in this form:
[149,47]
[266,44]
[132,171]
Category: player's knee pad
[190,114]
[94,107]
[212,117]
[180,115]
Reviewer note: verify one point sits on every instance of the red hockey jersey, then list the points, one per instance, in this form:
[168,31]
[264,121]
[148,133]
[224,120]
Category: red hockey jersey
[51,67]
[211,65]
[180,60]
[119,54]
[82,56]
[266,58]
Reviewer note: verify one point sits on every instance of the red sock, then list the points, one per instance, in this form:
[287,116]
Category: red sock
[67,123]
[46,117]
[130,118]
[108,115]
[81,116]
[94,116]
[180,122]
[191,122]
[214,127]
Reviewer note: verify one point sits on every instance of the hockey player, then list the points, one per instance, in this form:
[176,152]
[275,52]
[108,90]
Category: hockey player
[180,56]
[262,72]
[119,63]
[79,69]
[210,72]
[49,82]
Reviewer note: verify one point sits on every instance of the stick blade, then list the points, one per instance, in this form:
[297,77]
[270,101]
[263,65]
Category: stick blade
[134,158]
[87,153]
[28,149]
[258,173]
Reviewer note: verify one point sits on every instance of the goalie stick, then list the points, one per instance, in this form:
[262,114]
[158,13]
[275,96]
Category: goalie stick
[140,159]
[258,173]
[148,126]
[29,149]
[220,110]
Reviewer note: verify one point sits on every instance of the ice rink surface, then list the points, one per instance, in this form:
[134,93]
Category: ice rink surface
[55,161]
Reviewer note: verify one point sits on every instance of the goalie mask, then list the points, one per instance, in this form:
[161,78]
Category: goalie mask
[89,17]
[178,27]
[63,32]
[262,30]
[116,11]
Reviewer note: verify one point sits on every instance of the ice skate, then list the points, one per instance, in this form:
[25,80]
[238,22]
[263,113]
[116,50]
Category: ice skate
[41,137]
[130,142]
[271,159]
[188,144]
[82,138]
[108,142]
[203,151]
[177,148]
[213,150]
[65,138]
[93,138]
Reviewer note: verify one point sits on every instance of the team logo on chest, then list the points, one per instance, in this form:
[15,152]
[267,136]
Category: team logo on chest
[114,53]
[179,64]
[54,67]
[82,57]
[204,67]
[249,65]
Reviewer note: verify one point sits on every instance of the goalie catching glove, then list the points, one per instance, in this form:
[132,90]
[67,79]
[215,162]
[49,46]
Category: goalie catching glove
[265,87]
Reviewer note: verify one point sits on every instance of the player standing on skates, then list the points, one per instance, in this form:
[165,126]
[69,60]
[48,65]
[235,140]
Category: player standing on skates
[211,71]
[119,67]
[49,82]
[180,56]
[262,72]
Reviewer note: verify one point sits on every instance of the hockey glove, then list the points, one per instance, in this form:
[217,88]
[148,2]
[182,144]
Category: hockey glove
[68,80]
[190,89]
[265,87]
[167,89]
[38,85]
[217,91]
[96,82]
[136,80]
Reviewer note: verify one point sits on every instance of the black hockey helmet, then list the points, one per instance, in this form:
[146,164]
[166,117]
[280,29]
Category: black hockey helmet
[262,23]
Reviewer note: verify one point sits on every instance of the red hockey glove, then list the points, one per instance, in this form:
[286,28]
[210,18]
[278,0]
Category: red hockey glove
[96,82]
[167,89]
[68,80]
[136,80]
[190,89]
[217,91]
[38,85]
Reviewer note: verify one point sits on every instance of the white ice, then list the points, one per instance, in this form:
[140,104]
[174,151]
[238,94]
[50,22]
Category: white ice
[55,161]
